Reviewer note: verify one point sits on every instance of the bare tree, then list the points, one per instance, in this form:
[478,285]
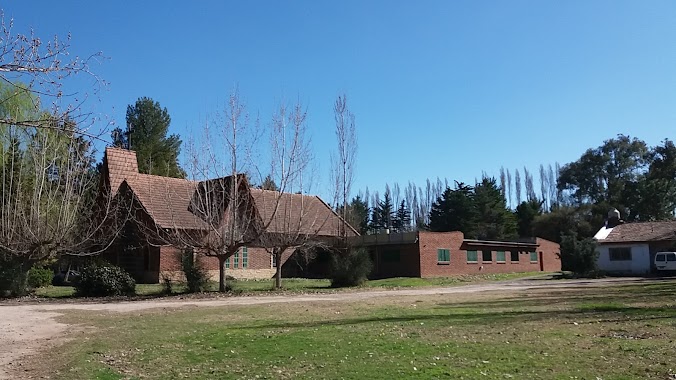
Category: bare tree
[517,186]
[509,187]
[551,184]
[49,205]
[344,160]
[503,182]
[544,187]
[299,218]
[529,185]
[31,65]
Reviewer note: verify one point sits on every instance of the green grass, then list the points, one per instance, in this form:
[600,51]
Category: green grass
[301,285]
[624,332]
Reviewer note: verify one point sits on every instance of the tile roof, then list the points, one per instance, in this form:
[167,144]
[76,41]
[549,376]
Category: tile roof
[176,203]
[120,164]
[641,232]
[297,214]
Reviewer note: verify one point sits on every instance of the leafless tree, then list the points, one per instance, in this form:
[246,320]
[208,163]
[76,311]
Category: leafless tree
[299,218]
[30,64]
[544,187]
[551,185]
[509,187]
[49,205]
[530,187]
[517,186]
[503,182]
[343,161]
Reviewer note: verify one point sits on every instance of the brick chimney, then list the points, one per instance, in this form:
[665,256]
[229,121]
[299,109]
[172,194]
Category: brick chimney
[118,165]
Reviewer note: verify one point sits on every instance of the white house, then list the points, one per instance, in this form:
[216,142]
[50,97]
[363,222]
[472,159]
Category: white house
[630,248]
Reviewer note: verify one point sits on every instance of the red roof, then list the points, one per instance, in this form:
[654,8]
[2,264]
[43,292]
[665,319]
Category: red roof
[175,203]
[642,232]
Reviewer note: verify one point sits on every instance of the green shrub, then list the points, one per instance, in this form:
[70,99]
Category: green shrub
[167,285]
[13,278]
[579,256]
[350,268]
[196,276]
[100,280]
[39,277]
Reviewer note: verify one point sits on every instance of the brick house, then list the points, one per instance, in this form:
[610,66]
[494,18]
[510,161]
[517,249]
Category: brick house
[162,206]
[440,254]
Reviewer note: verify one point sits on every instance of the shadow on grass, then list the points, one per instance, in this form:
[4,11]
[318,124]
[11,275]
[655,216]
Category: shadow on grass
[600,313]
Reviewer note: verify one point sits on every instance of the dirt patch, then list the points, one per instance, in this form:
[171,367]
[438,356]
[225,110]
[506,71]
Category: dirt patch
[28,329]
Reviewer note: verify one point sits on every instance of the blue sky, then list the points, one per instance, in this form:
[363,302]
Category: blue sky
[438,88]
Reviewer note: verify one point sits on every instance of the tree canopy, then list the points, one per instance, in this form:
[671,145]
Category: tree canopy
[148,125]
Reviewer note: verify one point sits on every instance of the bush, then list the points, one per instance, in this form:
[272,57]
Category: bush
[100,280]
[196,276]
[13,278]
[167,285]
[350,268]
[39,277]
[579,256]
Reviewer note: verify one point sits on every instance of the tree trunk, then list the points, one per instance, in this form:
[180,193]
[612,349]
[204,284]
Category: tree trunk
[221,274]
[278,272]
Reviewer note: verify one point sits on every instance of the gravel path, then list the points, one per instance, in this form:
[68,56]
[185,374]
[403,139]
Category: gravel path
[27,328]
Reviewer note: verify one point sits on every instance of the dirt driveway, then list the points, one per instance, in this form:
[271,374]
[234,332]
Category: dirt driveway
[27,328]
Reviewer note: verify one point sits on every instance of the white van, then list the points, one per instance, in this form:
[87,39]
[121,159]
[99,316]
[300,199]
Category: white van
[665,261]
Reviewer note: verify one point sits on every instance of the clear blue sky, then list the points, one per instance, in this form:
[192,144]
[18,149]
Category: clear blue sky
[439,88]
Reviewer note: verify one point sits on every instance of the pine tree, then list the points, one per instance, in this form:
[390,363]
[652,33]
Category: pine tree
[495,221]
[156,152]
[402,219]
[455,210]
[383,214]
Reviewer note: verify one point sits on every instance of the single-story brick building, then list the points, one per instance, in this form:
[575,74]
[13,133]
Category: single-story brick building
[160,206]
[440,254]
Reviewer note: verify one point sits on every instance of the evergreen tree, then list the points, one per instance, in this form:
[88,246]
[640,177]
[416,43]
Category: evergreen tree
[358,215]
[455,210]
[525,213]
[383,214]
[156,152]
[402,219]
[495,221]
[269,184]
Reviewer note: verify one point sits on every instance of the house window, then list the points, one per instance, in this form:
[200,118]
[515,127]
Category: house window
[273,260]
[500,256]
[514,256]
[620,254]
[443,255]
[533,257]
[236,260]
[472,256]
[392,256]
[487,255]
[245,258]
[227,263]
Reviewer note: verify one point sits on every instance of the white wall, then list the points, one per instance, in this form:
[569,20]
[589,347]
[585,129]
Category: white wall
[639,264]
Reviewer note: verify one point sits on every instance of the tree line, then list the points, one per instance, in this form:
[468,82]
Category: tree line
[623,173]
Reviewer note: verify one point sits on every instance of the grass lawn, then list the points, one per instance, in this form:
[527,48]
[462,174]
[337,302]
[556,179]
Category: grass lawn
[620,332]
[302,284]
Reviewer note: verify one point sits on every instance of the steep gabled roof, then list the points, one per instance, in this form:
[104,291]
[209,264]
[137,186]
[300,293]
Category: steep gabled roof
[298,214]
[640,232]
[175,203]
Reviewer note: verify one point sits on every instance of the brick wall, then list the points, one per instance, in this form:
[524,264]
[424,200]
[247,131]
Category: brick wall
[430,242]
[259,264]
[550,255]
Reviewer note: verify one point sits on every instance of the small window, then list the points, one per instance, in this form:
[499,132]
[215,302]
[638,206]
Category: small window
[533,257]
[393,256]
[236,260]
[227,263]
[500,256]
[487,256]
[514,256]
[620,254]
[472,256]
[245,258]
[443,255]
[273,260]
